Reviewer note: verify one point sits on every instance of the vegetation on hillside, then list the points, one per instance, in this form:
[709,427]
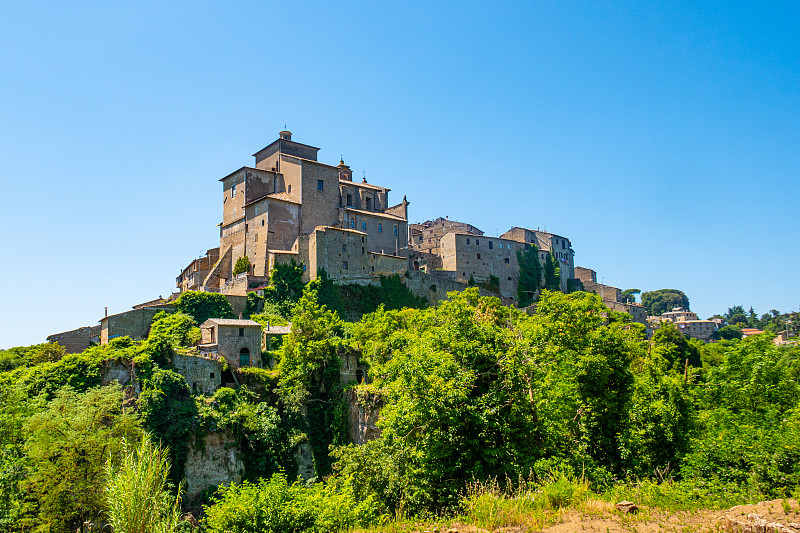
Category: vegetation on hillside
[484,411]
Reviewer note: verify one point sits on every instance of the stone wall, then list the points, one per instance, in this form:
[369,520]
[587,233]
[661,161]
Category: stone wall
[363,413]
[202,374]
[77,340]
[216,461]
[134,323]
[480,258]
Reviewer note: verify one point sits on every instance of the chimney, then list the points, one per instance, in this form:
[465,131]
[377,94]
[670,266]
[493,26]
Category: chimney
[106,312]
[286,135]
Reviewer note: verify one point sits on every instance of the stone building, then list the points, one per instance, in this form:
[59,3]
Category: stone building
[193,276]
[236,341]
[589,279]
[479,258]
[77,340]
[134,323]
[687,322]
[548,242]
[272,211]
[425,237]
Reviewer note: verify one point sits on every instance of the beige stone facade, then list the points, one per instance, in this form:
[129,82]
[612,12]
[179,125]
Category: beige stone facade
[192,277]
[548,242]
[134,323]
[480,258]
[271,213]
[687,322]
[425,237]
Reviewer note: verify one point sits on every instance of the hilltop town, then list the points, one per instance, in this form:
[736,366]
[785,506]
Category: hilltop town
[290,208]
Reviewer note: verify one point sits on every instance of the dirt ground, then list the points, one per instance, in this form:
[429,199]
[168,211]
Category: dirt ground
[776,516]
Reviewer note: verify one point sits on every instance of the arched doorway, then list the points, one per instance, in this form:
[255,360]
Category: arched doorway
[244,357]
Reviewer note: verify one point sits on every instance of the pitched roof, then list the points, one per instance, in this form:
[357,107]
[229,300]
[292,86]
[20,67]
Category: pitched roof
[230,322]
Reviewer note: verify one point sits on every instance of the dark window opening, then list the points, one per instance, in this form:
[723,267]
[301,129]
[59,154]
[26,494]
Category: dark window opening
[344,265]
[320,185]
[344,247]
[359,375]
[369,204]
[490,245]
[506,260]
[467,241]
[241,332]
[349,200]
[211,376]
[477,242]
[479,256]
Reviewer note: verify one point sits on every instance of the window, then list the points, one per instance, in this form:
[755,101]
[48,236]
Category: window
[304,268]
[352,223]
[289,189]
[362,251]
[320,185]
[506,260]
[479,256]
[477,242]
[211,376]
[241,332]
[563,245]
[262,222]
[369,204]
[490,245]
[395,229]
[509,278]
[349,200]
[380,227]
[244,357]
[344,265]
[467,241]
[364,225]
[233,191]
[344,247]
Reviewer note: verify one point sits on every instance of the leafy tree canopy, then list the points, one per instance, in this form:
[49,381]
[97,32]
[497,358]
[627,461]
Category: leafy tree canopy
[663,300]
[629,295]
[204,305]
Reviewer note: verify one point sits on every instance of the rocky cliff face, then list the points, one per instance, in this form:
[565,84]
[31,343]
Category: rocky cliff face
[216,460]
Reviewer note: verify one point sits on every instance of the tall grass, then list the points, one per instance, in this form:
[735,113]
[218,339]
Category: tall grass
[137,490]
[489,505]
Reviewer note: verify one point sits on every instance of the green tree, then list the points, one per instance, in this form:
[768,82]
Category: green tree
[70,441]
[668,342]
[663,300]
[629,295]
[169,412]
[242,265]
[137,490]
[530,275]
[727,333]
[204,305]
[552,273]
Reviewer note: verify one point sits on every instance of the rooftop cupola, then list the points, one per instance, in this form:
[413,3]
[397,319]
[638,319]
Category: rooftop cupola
[345,173]
[286,135]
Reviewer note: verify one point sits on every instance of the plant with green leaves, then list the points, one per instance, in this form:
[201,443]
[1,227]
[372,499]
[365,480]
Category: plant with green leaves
[242,265]
[137,490]
[71,438]
[204,305]
[552,272]
[530,275]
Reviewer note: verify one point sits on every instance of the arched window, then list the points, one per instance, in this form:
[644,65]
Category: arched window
[395,229]
[352,223]
[364,225]
[380,227]
[244,357]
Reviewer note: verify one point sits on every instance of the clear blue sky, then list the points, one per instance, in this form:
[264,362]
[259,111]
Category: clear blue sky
[660,137]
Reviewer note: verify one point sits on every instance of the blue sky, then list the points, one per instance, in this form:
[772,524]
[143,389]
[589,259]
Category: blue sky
[660,137]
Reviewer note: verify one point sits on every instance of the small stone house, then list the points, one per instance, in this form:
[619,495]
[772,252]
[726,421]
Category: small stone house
[237,341]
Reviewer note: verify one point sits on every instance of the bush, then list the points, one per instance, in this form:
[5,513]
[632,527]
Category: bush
[242,265]
[274,505]
[204,305]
